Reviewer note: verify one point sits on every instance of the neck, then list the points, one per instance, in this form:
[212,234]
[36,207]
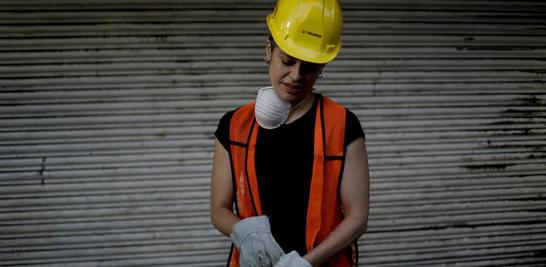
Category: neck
[301,108]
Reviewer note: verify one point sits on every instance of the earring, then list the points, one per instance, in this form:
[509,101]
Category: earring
[320,75]
[267,60]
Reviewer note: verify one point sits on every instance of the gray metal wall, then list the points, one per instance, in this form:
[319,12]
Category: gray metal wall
[107,113]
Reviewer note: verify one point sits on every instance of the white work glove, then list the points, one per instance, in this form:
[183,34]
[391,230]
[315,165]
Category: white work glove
[293,259]
[257,247]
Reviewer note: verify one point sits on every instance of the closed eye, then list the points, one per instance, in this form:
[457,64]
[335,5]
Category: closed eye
[288,62]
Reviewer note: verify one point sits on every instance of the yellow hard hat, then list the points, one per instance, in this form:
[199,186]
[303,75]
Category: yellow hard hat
[309,30]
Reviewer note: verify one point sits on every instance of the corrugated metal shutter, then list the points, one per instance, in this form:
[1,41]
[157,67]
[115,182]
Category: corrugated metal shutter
[107,113]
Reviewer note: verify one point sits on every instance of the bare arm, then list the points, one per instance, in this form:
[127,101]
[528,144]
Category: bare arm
[221,192]
[355,200]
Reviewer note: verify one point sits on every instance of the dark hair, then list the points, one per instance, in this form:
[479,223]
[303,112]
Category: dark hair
[271,40]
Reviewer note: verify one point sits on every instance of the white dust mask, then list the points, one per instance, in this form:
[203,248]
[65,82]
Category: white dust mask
[270,110]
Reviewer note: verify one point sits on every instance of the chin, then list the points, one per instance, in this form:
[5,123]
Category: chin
[292,96]
[287,97]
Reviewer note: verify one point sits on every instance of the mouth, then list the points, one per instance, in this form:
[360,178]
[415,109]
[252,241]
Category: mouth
[292,88]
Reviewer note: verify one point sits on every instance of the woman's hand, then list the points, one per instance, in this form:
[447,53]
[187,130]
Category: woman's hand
[252,237]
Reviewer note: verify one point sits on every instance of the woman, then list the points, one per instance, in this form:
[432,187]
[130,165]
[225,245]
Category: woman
[290,182]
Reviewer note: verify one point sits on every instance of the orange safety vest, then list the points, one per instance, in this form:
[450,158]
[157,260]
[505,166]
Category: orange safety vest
[324,208]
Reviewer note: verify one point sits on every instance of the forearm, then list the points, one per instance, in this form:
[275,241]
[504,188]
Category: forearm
[221,197]
[349,230]
[224,220]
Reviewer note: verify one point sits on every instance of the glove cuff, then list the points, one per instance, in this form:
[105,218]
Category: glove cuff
[247,226]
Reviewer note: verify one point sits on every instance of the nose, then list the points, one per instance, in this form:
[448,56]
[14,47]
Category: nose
[296,71]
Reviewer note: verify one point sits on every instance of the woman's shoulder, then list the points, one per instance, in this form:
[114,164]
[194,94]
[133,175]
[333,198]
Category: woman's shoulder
[226,118]
[222,131]
[353,128]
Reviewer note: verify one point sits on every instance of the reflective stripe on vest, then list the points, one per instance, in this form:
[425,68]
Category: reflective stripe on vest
[324,208]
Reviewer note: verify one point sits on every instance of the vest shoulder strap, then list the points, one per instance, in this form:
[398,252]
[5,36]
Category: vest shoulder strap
[241,124]
[333,119]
